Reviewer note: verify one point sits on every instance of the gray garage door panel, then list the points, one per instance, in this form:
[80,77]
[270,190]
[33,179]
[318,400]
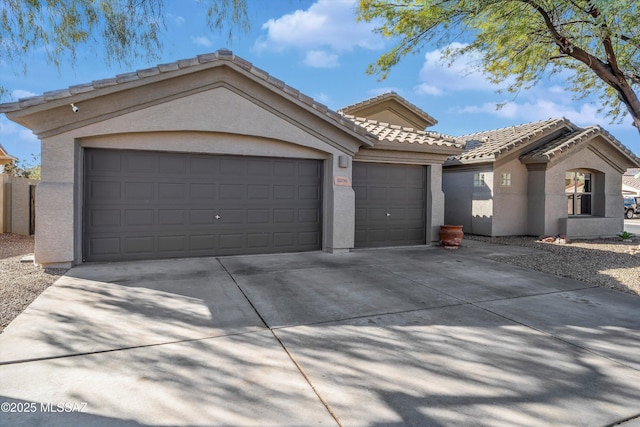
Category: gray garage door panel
[145,205]
[390,204]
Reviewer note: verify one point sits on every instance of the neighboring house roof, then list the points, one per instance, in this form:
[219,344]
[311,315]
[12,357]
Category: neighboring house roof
[555,147]
[5,158]
[632,172]
[486,146]
[395,134]
[631,181]
[392,108]
[536,142]
[83,92]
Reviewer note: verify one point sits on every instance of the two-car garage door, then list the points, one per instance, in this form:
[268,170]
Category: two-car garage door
[146,205]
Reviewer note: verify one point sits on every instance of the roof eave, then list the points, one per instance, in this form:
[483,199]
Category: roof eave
[20,111]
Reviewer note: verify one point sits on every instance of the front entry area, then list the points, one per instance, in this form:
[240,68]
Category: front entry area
[390,204]
[151,205]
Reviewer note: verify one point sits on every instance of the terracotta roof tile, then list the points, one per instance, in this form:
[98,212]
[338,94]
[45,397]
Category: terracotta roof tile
[557,146]
[631,181]
[148,72]
[403,135]
[185,64]
[487,145]
[376,99]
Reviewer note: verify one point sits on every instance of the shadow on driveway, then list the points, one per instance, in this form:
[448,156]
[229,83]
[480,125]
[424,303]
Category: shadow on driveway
[407,336]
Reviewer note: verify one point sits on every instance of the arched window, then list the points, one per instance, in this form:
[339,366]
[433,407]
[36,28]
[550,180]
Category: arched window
[578,188]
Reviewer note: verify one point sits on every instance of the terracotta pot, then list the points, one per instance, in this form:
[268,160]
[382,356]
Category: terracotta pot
[451,236]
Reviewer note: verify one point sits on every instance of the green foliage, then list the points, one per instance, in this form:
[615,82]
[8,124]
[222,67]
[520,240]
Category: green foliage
[625,235]
[595,42]
[127,29]
[24,169]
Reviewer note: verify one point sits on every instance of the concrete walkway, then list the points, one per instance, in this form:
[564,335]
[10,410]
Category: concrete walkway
[411,336]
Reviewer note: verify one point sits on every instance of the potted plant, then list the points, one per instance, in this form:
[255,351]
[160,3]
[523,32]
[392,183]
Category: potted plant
[451,236]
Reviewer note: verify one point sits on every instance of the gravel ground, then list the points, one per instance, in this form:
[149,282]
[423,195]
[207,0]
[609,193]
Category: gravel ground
[609,263]
[20,282]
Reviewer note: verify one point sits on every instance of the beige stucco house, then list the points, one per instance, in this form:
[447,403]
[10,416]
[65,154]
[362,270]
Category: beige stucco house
[545,178]
[5,158]
[213,156]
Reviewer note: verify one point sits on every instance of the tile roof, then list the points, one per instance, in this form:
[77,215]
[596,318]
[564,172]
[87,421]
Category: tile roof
[557,146]
[631,181]
[389,95]
[97,87]
[403,135]
[5,157]
[487,145]
[632,172]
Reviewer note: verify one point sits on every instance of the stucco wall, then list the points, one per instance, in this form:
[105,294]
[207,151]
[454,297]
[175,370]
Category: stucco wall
[606,194]
[510,203]
[218,121]
[466,204]
[435,216]
[535,203]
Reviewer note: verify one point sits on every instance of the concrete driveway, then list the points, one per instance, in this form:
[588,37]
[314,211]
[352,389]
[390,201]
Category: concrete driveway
[409,336]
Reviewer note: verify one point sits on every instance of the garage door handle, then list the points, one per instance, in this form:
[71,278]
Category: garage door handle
[217,217]
[388,214]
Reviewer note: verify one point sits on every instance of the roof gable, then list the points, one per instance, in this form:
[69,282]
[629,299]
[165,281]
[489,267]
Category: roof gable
[489,145]
[540,142]
[391,108]
[556,149]
[407,139]
[51,113]
[5,158]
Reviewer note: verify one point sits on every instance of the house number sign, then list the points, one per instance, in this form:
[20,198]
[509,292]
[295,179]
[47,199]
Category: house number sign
[342,181]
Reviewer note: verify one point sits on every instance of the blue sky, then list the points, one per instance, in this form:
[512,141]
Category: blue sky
[317,47]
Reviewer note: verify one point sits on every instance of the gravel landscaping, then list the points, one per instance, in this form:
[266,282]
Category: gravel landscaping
[20,282]
[609,263]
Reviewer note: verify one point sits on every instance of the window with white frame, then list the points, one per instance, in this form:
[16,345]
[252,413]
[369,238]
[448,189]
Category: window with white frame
[505,179]
[478,180]
[578,188]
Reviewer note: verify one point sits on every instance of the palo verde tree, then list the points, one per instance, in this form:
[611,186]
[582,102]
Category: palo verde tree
[125,29]
[520,41]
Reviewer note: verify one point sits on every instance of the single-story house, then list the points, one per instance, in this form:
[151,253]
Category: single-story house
[213,156]
[545,178]
[5,158]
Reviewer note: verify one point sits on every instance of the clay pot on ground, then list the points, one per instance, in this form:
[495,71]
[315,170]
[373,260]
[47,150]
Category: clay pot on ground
[451,236]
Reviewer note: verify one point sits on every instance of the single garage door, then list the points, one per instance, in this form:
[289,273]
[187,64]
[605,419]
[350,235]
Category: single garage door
[390,204]
[149,205]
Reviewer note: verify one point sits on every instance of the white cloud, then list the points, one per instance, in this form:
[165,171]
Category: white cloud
[17,140]
[20,93]
[12,132]
[323,97]
[327,25]
[427,89]
[321,59]
[439,78]
[202,41]
[582,115]
[177,19]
